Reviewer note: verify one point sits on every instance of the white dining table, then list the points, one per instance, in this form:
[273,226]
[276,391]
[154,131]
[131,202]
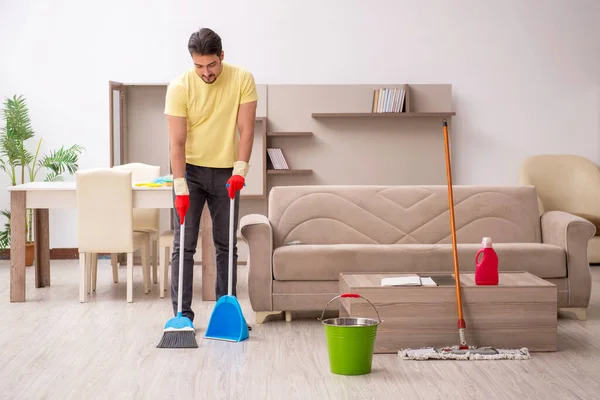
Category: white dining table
[42,196]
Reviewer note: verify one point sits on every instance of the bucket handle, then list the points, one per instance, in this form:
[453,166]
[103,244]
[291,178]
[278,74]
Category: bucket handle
[353,296]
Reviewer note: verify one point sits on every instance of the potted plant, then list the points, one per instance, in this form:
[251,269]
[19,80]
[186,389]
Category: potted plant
[23,166]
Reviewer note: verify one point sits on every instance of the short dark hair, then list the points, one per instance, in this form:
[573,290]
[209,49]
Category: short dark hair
[205,42]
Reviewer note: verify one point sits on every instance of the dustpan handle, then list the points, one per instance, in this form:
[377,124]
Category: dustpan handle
[230,255]
[353,296]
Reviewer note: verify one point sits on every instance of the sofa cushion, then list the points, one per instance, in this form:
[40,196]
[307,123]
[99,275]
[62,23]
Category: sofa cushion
[326,262]
[402,214]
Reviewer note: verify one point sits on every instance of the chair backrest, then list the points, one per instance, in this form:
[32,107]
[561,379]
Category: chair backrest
[104,210]
[564,182]
[143,218]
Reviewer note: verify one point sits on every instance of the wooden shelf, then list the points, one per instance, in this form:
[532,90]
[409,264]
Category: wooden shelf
[384,115]
[289,171]
[288,134]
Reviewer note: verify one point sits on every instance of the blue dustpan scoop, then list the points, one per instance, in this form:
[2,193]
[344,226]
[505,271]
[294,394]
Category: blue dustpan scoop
[227,321]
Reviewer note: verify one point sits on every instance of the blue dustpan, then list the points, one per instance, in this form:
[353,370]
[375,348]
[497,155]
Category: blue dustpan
[227,321]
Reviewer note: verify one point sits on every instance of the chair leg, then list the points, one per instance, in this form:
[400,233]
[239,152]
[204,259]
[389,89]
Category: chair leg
[88,273]
[129,277]
[167,270]
[148,245]
[82,278]
[162,271]
[94,262]
[114,262]
[145,266]
[155,260]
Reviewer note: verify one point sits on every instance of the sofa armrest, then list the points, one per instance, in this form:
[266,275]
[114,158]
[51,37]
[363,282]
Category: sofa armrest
[257,232]
[572,233]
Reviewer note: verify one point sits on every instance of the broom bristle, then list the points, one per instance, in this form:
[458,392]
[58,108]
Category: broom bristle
[178,340]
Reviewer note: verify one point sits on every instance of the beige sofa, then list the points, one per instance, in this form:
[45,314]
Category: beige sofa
[312,233]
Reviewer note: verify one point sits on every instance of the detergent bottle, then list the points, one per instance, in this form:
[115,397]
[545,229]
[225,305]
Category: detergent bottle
[486,272]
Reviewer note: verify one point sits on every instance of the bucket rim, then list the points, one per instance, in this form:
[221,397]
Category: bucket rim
[374,322]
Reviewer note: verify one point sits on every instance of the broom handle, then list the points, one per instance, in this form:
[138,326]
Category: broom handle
[230,275]
[181,263]
[461,321]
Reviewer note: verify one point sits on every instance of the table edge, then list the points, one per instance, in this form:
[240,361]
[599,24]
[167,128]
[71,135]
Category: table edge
[539,282]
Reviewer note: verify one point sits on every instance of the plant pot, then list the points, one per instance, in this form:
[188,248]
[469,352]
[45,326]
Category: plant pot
[29,254]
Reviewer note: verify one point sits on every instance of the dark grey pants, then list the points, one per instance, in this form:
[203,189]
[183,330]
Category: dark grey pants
[206,185]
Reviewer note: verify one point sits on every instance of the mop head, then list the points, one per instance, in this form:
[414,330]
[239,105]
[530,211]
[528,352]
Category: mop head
[179,333]
[470,354]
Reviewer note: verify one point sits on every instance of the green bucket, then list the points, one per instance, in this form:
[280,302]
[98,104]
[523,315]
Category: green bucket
[350,341]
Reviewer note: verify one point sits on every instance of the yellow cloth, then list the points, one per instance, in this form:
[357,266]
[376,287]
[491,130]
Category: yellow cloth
[211,111]
[150,184]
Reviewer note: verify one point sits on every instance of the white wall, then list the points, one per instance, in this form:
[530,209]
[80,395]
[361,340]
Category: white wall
[526,74]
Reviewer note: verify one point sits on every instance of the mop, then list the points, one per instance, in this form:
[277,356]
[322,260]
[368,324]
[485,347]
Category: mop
[179,331]
[462,351]
[227,321]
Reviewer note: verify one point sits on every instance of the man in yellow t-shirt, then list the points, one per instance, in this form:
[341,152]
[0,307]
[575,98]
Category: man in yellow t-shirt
[204,106]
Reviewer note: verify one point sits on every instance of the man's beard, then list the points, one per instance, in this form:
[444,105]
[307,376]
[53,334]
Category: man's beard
[209,81]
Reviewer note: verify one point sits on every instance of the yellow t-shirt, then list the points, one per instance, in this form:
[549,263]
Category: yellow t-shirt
[211,111]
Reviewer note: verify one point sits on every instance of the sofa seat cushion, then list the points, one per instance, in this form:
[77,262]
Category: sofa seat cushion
[325,262]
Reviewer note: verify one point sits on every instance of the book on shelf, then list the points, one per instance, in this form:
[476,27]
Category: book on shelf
[388,100]
[276,158]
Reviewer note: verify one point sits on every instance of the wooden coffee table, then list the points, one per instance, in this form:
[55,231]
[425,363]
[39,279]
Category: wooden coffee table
[520,312]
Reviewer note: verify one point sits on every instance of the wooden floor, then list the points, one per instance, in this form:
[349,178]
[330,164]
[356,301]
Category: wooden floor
[54,347]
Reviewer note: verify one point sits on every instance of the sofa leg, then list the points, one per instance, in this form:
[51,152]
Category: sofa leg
[262,315]
[288,316]
[580,313]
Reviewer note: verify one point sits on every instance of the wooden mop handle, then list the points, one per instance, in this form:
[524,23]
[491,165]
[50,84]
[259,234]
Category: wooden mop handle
[461,321]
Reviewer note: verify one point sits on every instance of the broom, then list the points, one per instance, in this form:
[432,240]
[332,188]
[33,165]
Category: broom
[179,331]
[462,351]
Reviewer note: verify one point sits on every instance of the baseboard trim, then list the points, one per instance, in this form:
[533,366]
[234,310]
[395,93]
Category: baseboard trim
[64,254]
[71,253]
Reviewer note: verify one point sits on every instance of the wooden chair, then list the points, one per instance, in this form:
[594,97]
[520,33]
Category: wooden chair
[144,220]
[105,224]
[165,242]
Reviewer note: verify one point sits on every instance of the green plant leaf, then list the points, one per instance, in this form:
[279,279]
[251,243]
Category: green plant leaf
[16,130]
[16,115]
[53,176]
[8,169]
[60,161]
[33,167]
[5,234]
